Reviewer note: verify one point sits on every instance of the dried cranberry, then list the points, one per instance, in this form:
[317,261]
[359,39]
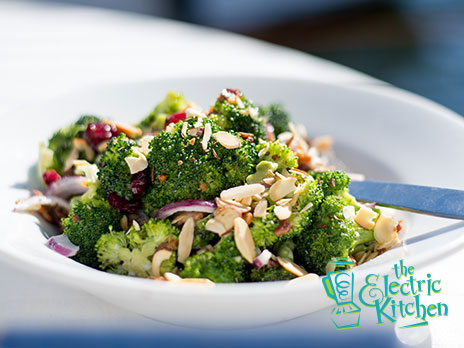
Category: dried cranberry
[96,133]
[139,183]
[121,204]
[174,118]
[50,176]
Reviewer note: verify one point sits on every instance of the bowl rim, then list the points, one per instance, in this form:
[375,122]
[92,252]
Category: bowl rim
[87,274]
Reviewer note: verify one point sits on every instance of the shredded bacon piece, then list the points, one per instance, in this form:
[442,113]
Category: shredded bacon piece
[283,228]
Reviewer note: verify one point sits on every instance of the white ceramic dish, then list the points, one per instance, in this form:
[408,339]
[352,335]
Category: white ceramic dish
[379,130]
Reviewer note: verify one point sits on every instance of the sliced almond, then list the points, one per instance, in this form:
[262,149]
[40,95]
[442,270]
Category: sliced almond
[349,212]
[294,199]
[144,143]
[291,267]
[364,217]
[229,141]
[227,203]
[283,212]
[170,128]
[261,208]
[244,240]
[284,201]
[322,143]
[306,207]
[157,259]
[136,164]
[191,112]
[81,145]
[136,225]
[183,132]
[215,226]
[195,132]
[262,152]
[206,137]
[186,240]
[73,155]
[226,216]
[282,188]
[172,277]
[385,229]
[299,172]
[243,191]
[182,217]
[268,181]
[129,130]
[247,200]
[102,146]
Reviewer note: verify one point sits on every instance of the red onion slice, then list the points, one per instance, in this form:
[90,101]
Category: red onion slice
[34,203]
[188,205]
[67,187]
[262,259]
[62,245]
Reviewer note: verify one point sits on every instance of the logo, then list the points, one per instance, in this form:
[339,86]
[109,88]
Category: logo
[392,297]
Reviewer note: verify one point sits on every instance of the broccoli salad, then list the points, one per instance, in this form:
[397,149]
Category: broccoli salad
[233,193]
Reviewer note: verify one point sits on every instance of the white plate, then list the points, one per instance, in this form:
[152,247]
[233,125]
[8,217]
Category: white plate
[380,131]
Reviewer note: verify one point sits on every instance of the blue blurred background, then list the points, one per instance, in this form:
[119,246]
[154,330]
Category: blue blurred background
[414,44]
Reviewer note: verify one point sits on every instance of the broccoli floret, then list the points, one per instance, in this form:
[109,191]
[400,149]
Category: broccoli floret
[203,237]
[114,173]
[277,117]
[236,113]
[269,230]
[310,197]
[330,235]
[172,103]
[182,169]
[222,265]
[169,265]
[86,222]
[267,274]
[61,142]
[332,182]
[130,253]
[278,153]
[262,229]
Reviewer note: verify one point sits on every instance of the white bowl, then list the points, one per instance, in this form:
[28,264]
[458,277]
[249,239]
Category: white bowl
[380,131]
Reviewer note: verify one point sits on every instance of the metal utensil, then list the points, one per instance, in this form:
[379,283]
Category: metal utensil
[434,201]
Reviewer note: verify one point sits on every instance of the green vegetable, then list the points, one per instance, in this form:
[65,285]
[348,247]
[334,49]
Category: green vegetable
[262,229]
[310,197]
[182,169]
[130,253]
[202,236]
[285,249]
[277,117]
[173,102]
[237,116]
[169,265]
[86,222]
[222,265]
[114,173]
[262,170]
[332,182]
[265,230]
[330,235]
[267,274]
[61,141]
[278,153]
